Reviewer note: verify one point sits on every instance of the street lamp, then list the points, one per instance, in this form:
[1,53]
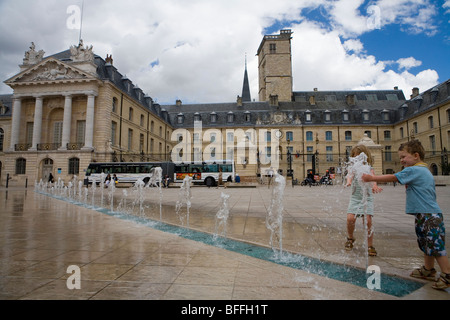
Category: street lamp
[290,173]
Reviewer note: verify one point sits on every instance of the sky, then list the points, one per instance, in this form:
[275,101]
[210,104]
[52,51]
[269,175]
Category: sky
[195,50]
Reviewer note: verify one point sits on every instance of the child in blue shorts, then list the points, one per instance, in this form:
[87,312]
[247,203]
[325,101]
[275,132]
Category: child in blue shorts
[421,202]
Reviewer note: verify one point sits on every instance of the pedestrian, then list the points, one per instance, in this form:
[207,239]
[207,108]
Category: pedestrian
[356,207]
[421,202]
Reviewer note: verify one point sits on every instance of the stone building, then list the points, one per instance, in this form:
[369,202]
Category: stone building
[74,107]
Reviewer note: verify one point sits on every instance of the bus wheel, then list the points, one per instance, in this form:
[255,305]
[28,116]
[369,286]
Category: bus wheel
[210,182]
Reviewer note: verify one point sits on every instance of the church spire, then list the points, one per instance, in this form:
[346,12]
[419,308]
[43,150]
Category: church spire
[246,87]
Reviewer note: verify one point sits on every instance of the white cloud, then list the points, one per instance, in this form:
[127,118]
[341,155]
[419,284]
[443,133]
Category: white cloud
[408,63]
[194,50]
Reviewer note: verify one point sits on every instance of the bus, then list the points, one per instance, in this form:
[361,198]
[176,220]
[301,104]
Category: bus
[205,172]
[126,172]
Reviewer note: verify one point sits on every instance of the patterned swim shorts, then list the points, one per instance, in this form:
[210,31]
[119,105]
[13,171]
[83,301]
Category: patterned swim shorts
[430,231]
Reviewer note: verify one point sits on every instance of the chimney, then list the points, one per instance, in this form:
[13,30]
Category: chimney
[273,100]
[350,99]
[109,60]
[312,100]
[415,92]
[239,101]
[395,88]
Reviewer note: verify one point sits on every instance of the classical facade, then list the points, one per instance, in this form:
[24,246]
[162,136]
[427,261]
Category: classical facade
[71,109]
[74,107]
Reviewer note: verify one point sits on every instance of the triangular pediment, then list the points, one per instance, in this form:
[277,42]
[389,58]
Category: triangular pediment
[50,70]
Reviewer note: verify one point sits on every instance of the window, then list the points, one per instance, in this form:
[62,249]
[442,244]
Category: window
[142,120]
[130,139]
[329,151]
[130,114]
[57,132]
[387,153]
[385,115]
[289,136]
[197,117]
[21,165]
[369,133]
[180,118]
[329,135]
[81,128]
[327,116]
[430,122]
[247,116]
[345,116]
[114,105]
[401,133]
[433,144]
[230,136]
[213,117]
[273,48]
[387,135]
[448,115]
[348,136]
[141,143]
[309,151]
[29,138]
[212,137]
[74,166]
[415,128]
[2,138]
[308,116]
[113,133]
[268,136]
[366,116]
[309,136]
[230,117]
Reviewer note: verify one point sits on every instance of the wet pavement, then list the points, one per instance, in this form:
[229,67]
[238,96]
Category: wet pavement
[49,246]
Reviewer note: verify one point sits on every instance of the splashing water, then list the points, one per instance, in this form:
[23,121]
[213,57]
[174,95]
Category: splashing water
[222,217]
[184,198]
[274,218]
[357,167]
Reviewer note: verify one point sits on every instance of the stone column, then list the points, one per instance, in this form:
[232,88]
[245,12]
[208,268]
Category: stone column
[37,126]
[15,128]
[66,122]
[90,111]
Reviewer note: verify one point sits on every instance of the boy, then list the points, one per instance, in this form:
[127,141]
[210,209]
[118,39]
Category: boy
[421,202]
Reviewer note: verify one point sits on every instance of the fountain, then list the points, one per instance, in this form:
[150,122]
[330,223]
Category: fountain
[274,217]
[222,218]
[357,166]
[184,198]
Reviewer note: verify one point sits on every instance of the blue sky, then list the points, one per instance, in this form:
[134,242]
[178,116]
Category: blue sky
[194,50]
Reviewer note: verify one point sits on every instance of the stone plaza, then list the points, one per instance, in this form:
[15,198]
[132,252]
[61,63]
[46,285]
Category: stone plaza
[47,241]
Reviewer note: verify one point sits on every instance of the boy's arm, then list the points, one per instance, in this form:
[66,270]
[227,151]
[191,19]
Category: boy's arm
[382,178]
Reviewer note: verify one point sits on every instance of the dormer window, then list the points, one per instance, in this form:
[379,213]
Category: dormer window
[230,117]
[247,116]
[345,116]
[180,118]
[197,117]
[213,117]
[366,115]
[308,116]
[385,115]
[327,116]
